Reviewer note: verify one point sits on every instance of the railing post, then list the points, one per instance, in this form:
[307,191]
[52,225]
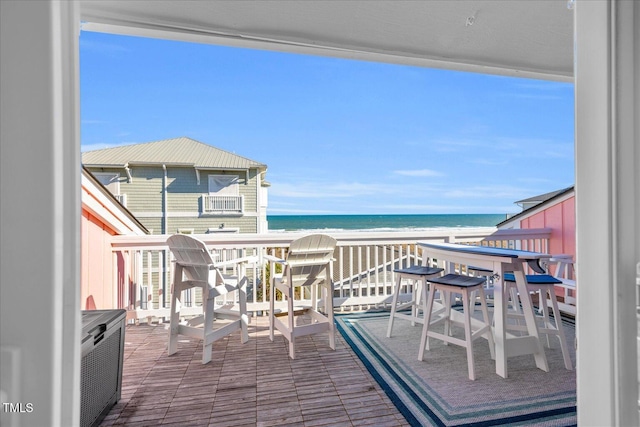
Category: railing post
[115,279]
[138,275]
[127,281]
[353,285]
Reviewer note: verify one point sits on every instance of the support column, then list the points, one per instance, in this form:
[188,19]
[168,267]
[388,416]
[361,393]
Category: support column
[40,211]
[607,209]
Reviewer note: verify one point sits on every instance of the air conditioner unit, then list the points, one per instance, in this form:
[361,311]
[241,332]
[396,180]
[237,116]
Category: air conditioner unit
[101,366]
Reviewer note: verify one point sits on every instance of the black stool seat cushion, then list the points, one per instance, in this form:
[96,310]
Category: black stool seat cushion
[419,270]
[535,279]
[458,280]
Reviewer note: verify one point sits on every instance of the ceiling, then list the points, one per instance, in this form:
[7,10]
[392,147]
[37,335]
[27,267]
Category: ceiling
[528,38]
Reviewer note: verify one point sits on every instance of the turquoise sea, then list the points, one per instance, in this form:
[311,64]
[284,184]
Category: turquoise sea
[281,223]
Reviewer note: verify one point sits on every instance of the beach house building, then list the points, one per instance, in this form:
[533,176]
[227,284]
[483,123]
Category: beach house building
[103,216]
[555,211]
[181,185]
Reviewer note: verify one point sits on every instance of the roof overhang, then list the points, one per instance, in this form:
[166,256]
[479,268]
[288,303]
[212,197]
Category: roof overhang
[532,38]
[558,198]
[97,200]
[124,166]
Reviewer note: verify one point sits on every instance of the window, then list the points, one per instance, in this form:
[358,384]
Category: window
[110,180]
[223,185]
[224,196]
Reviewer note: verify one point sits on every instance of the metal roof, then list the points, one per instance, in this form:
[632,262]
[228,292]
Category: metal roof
[181,151]
[543,197]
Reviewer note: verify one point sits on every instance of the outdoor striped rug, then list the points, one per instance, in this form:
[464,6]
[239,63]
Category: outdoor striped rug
[437,391]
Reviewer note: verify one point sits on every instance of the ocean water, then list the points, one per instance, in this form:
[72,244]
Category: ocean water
[283,223]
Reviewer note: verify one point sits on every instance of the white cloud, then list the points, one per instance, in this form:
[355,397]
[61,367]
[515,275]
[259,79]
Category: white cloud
[451,145]
[486,192]
[327,190]
[513,146]
[418,172]
[416,207]
[489,162]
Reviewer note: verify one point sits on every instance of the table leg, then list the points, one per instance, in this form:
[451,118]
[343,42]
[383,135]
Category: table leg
[529,317]
[499,316]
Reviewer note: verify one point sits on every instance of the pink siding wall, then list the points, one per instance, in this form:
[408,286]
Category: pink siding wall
[561,219]
[96,264]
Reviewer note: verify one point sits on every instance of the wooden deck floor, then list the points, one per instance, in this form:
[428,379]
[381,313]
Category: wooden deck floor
[252,384]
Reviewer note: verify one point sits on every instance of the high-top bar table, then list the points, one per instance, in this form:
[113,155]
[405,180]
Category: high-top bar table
[500,261]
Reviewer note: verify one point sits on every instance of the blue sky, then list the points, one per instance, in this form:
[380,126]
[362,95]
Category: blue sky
[338,136]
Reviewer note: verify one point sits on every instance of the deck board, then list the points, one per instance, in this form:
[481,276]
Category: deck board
[251,384]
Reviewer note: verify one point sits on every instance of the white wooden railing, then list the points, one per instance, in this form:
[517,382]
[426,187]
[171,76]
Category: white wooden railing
[362,270]
[212,204]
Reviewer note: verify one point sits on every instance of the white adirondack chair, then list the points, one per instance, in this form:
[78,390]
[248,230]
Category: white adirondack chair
[308,265]
[194,267]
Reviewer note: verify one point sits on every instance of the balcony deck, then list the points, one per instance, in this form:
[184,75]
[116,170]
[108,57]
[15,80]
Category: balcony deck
[256,383]
[252,384]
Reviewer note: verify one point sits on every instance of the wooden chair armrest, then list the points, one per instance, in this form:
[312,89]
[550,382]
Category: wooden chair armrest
[272,258]
[247,259]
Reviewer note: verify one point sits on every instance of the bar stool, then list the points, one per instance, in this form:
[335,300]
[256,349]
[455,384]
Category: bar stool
[544,284]
[512,302]
[486,274]
[463,285]
[565,271]
[419,275]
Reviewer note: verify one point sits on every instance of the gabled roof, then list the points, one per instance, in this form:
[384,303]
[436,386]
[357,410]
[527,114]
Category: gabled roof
[543,197]
[553,197]
[177,152]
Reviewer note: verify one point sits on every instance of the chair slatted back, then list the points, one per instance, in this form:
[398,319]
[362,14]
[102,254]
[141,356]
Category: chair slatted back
[308,259]
[192,254]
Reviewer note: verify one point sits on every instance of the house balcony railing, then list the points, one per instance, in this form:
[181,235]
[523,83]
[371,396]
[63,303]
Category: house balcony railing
[362,271]
[213,204]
